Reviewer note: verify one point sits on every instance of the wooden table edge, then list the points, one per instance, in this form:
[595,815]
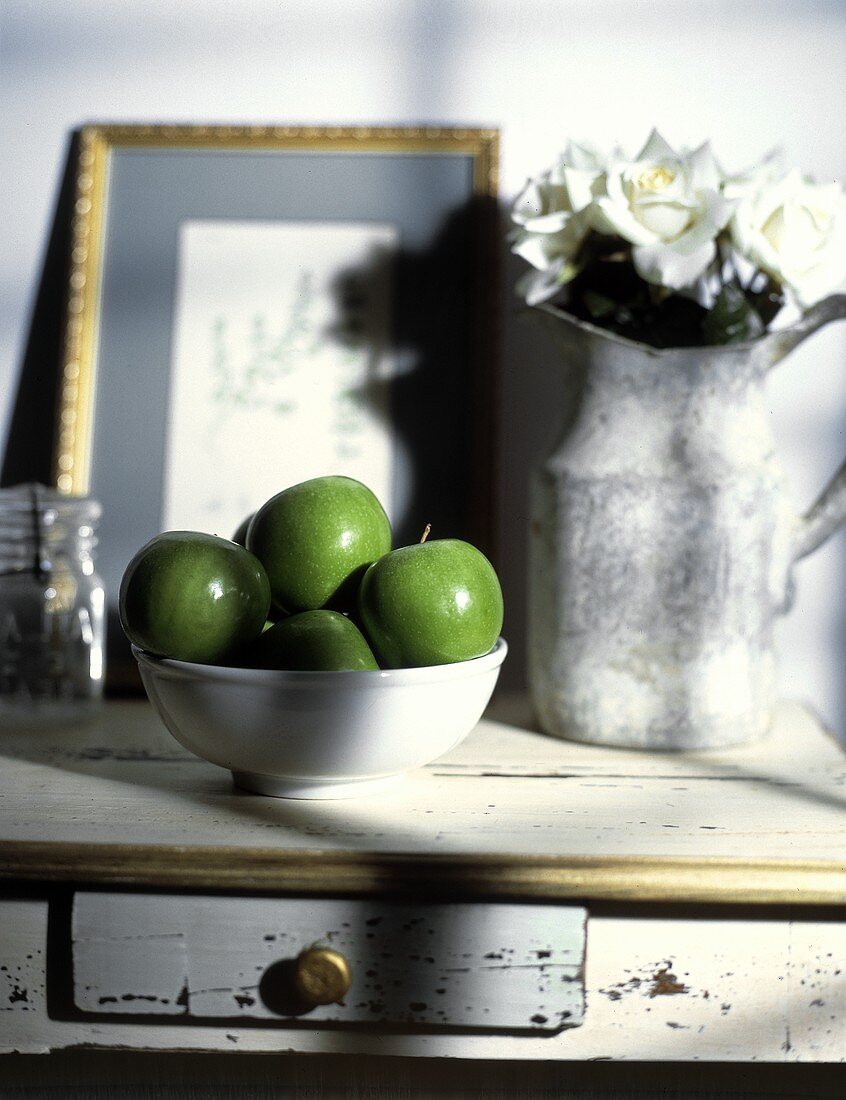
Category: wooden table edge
[488,877]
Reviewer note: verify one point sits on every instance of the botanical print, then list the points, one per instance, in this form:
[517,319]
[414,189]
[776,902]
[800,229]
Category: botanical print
[267,389]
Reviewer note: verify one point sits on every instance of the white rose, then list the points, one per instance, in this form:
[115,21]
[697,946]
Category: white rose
[669,206]
[551,216]
[795,231]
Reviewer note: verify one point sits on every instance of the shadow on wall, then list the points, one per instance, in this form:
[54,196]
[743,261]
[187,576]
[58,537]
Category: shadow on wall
[513,413]
[537,399]
[441,403]
[29,446]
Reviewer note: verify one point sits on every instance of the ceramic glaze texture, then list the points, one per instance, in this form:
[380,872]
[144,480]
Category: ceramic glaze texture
[661,541]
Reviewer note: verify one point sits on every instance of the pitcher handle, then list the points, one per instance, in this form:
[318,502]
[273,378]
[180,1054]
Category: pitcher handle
[828,511]
[782,341]
[826,514]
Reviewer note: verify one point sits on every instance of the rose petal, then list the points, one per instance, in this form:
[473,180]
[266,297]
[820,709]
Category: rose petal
[718,210]
[678,264]
[532,248]
[667,220]
[542,249]
[538,286]
[678,191]
[616,219]
[704,171]
[814,285]
[549,223]
[528,204]
[673,266]
[581,187]
[656,149]
[584,156]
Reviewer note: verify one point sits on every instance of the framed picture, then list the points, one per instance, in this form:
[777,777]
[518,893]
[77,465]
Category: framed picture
[250,307]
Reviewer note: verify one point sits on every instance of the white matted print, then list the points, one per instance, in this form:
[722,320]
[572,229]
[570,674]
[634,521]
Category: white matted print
[264,392]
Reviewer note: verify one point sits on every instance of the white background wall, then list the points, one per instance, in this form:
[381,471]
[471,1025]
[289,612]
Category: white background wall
[747,73]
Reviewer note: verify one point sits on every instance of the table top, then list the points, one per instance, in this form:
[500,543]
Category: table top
[509,813]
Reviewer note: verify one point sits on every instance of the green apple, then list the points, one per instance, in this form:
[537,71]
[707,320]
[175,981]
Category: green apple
[311,640]
[316,539]
[430,604]
[193,597]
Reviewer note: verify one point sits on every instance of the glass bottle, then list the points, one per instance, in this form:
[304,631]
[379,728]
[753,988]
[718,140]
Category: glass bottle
[52,622]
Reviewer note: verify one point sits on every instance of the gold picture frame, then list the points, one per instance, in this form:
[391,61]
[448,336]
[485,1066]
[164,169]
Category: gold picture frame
[72,460]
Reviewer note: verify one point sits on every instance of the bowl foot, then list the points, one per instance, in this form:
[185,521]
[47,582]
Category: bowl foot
[279,787]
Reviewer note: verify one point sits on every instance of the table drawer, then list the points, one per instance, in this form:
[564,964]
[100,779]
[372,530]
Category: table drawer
[417,966]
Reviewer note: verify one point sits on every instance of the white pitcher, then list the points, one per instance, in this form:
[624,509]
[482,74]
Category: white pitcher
[662,540]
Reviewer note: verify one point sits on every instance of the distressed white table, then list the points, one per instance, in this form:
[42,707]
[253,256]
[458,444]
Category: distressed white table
[521,898]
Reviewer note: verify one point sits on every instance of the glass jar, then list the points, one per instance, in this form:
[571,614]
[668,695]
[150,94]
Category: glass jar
[52,622]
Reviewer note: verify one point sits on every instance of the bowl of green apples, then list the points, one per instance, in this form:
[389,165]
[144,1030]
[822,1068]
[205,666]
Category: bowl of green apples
[305,655]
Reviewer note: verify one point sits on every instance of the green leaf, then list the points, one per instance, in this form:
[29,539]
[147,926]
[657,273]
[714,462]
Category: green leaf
[569,272]
[599,305]
[731,319]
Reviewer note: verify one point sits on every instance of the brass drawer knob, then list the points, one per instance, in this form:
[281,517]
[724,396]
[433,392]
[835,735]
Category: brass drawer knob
[322,976]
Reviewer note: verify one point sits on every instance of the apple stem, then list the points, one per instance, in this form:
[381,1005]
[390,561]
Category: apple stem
[426,531]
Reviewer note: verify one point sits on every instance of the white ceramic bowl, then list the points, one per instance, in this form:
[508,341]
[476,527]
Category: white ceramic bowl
[319,734]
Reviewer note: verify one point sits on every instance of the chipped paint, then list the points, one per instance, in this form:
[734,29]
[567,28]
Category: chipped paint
[468,966]
[661,982]
[665,983]
[740,999]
